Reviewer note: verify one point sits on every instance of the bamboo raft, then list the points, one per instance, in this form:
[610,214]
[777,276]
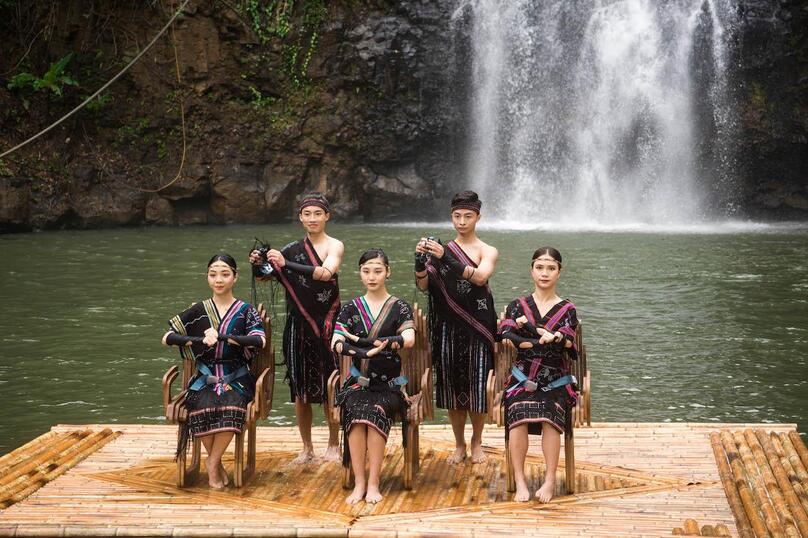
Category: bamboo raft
[632,479]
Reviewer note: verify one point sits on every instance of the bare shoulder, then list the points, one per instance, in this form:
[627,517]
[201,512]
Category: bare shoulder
[488,251]
[335,246]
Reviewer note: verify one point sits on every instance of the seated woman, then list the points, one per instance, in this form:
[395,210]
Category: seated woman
[539,390]
[371,329]
[221,334]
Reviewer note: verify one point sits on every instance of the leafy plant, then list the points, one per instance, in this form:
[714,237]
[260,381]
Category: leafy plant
[54,78]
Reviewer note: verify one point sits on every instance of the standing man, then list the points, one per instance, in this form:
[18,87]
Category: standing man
[307,269]
[462,320]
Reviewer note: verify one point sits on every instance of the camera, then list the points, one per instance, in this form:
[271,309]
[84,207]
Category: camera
[424,257]
[264,269]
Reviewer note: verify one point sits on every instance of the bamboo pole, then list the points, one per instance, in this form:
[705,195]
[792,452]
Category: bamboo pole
[799,445]
[32,447]
[794,505]
[722,530]
[794,459]
[730,488]
[758,488]
[739,474]
[61,446]
[770,483]
[691,528]
[802,495]
[47,471]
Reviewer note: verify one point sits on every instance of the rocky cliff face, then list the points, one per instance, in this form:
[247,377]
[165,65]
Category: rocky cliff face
[364,119]
[369,117]
[772,55]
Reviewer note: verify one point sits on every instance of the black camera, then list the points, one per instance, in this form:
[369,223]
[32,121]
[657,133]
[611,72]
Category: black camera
[424,257]
[263,269]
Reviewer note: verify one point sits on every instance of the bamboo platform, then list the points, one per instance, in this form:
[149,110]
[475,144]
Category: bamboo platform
[641,479]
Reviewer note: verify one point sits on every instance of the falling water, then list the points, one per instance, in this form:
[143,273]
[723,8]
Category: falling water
[605,112]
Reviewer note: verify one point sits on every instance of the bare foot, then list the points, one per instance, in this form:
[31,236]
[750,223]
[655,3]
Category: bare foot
[332,453]
[545,493]
[305,456]
[458,456]
[223,475]
[522,492]
[477,454]
[214,480]
[373,495]
[356,495]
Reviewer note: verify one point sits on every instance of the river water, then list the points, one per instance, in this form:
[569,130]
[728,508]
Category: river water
[705,324]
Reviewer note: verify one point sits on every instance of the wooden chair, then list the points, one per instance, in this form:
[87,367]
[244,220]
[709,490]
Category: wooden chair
[504,356]
[263,368]
[416,365]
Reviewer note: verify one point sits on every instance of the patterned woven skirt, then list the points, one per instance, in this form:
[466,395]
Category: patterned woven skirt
[210,413]
[462,361]
[376,407]
[537,408]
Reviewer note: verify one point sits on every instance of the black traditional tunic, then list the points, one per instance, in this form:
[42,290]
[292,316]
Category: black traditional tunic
[462,324]
[542,364]
[220,407]
[377,404]
[311,306]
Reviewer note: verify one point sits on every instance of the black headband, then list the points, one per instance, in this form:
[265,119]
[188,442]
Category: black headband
[474,206]
[320,202]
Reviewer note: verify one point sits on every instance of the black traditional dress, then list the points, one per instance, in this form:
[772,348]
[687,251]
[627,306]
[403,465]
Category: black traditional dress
[377,404]
[311,306]
[220,407]
[462,324]
[543,364]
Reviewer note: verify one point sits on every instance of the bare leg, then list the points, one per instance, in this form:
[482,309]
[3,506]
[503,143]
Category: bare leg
[207,441]
[358,443]
[550,447]
[214,479]
[376,455]
[304,417]
[517,444]
[332,452]
[477,423]
[220,442]
[458,419]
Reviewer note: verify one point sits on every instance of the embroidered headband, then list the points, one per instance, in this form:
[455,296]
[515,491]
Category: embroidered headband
[474,206]
[317,201]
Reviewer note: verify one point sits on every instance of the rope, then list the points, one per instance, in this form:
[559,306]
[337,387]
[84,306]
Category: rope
[104,87]
[182,117]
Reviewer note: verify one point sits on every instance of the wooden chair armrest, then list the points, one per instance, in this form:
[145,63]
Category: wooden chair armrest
[331,409]
[490,388]
[168,380]
[498,408]
[261,404]
[416,412]
[426,392]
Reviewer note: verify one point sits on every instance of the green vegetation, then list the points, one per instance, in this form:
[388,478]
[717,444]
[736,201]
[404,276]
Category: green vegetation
[99,102]
[54,79]
[270,19]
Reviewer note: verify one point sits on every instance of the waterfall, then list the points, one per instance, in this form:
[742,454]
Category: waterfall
[604,112]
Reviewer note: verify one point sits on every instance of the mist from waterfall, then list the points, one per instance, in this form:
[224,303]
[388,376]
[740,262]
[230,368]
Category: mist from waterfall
[602,112]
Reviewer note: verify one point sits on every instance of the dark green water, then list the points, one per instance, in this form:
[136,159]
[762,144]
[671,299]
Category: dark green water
[680,327]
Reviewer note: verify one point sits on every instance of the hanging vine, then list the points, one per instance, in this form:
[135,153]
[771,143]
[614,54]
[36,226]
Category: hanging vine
[271,19]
